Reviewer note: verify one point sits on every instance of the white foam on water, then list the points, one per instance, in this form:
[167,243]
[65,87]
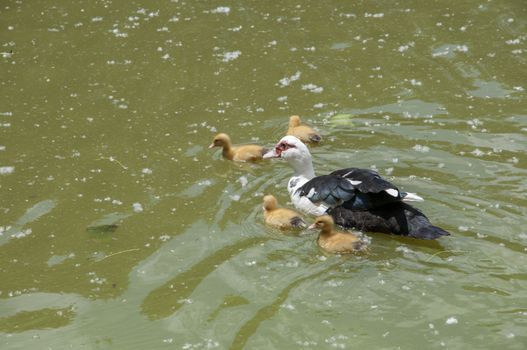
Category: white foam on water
[5,170]
[137,207]
[451,321]
[288,80]
[221,9]
[231,56]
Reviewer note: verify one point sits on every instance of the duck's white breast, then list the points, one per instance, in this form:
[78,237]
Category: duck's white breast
[302,203]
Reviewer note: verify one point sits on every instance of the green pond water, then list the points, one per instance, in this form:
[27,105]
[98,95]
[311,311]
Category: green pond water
[119,229]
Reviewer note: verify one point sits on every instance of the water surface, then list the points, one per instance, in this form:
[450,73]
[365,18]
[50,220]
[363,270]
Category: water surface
[119,229]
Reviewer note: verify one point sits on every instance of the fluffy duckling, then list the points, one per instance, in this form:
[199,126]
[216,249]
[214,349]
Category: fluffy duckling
[335,241]
[303,132]
[241,153]
[282,218]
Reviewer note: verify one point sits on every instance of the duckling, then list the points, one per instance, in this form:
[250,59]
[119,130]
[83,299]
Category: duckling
[282,218]
[335,241]
[303,132]
[241,153]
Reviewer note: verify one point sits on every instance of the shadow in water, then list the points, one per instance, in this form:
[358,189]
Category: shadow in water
[167,299]
[251,326]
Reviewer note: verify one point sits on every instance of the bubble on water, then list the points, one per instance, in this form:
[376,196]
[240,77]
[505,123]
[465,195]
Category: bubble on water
[137,207]
[243,180]
[374,15]
[222,9]
[403,249]
[334,283]
[421,148]
[235,197]
[313,88]
[22,234]
[230,56]
[164,238]
[336,341]
[2,148]
[146,171]
[288,80]
[477,152]
[451,320]
[96,19]
[513,41]
[287,306]
[306,343]
[5,170]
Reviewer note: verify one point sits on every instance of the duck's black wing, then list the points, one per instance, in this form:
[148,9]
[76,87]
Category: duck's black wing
[353,188]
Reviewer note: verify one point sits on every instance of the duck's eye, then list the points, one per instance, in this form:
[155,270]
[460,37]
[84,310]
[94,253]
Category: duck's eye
[285,146]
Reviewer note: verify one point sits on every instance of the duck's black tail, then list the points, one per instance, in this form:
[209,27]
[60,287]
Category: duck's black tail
[397,218]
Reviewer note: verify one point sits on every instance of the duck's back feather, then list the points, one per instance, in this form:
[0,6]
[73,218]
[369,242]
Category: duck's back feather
[357,189]
[397,218]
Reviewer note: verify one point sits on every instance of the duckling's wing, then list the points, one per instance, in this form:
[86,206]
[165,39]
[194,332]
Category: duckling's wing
[298,221]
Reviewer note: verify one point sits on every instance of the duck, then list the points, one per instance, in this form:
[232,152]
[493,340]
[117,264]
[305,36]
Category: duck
[303,132]
[242,153]
[355,198]
[335,241]
[281,218]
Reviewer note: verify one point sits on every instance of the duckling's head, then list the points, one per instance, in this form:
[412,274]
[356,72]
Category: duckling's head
[324,223]
[220,140]
[269,202]
[294,120]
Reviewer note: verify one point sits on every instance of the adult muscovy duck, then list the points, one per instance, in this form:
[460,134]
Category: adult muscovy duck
[355,198]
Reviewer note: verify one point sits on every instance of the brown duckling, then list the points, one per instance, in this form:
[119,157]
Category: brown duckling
[242,153]
[334,241]
[303,132]
[282,218]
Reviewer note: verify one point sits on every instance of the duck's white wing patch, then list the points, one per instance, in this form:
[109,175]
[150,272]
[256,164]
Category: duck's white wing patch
[392,192]
[311,193]
[354,182]
[412,197]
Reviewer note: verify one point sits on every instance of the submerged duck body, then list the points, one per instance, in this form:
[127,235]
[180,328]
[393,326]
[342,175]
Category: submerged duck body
[355,198]
[242,153]
[282,218]
[303,132]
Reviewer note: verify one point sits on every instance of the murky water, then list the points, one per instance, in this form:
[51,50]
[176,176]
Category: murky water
[119,229]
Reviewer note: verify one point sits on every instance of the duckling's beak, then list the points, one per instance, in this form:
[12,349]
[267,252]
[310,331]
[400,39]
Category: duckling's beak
[312,226]
[211,145]
[272,154]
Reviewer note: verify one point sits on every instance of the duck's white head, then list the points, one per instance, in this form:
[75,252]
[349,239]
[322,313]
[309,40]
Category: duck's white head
[296,153]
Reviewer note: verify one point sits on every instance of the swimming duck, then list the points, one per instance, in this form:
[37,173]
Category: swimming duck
[355,198]
[282,218]
[303,132]
[242,153]
[335,241]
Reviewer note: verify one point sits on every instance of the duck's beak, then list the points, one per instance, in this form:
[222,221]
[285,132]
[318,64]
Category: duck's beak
[211,145]
[312,226]
[271,154]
